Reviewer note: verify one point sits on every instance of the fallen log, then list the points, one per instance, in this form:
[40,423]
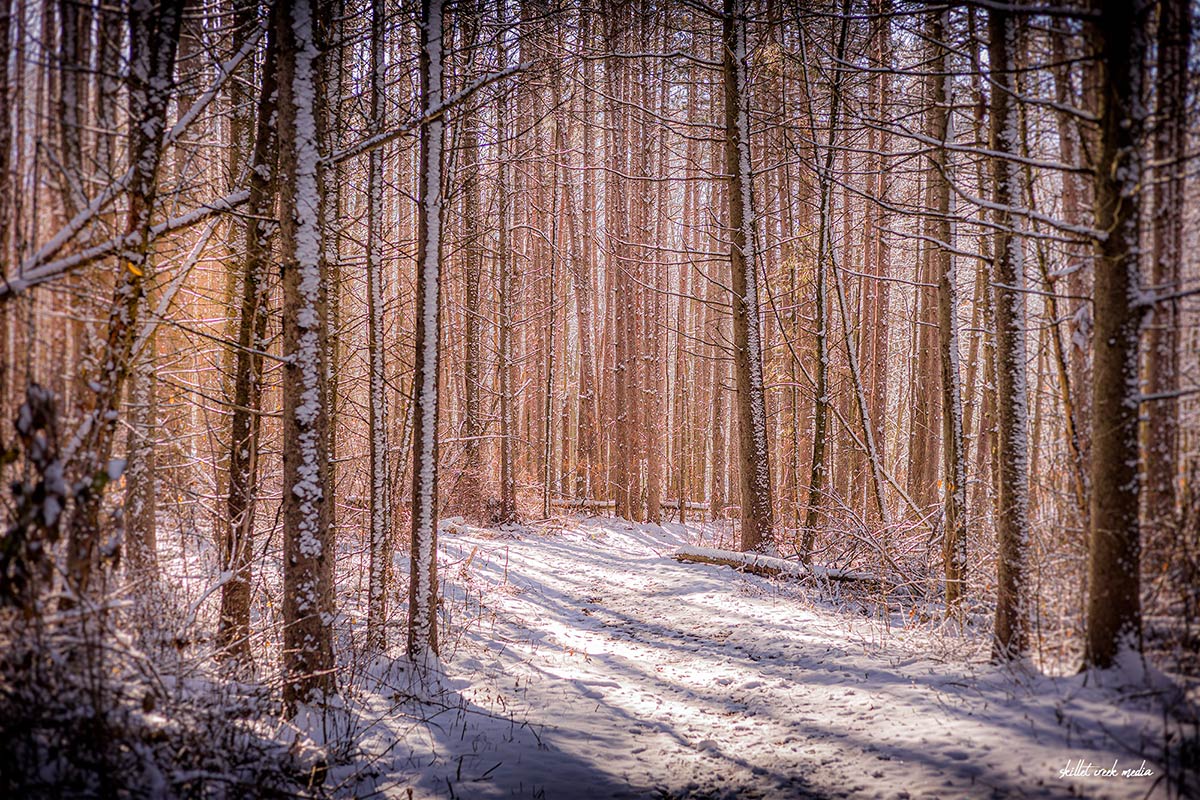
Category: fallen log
[586,503]
[770,566]
[582,503]
[692,505]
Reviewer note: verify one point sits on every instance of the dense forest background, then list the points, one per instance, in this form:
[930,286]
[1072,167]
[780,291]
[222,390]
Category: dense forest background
[907,289]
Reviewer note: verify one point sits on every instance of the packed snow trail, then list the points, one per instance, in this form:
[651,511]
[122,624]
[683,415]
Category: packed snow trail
[594,665]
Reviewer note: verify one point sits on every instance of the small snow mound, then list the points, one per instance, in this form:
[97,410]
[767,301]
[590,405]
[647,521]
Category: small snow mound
[453,525]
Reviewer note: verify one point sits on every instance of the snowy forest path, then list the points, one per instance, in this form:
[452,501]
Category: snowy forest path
[597,666]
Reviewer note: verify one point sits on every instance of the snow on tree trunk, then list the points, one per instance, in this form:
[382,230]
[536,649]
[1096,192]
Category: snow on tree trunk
[422,593]
[307,544]
[1119,38]
[379,578]
[754,456]
[1012,519]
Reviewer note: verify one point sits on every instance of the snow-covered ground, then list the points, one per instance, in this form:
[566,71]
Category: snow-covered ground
[589,663]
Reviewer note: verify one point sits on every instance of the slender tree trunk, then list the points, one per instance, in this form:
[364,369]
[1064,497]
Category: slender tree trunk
[818,478]
[154,34]
[549,336]
[1078,307]
[331,72]
[877,387]
[470,488]
[233,631]
[583,267]
[718,495]
[940,244]
[6,204]
[1067,393]
[504,277]
[657,366]
[73,44]
[587,457]
[1160,454]
[141,507]
[422,594]
[379,577]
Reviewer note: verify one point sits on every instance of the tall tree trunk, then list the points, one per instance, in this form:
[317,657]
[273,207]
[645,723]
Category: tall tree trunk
[237,541]
[307,540]
[549,336]
[939,249]
[1120,39]
[331,72]
[1078,307]
[583,267]
[818,478]
[718,495]
[1161,452]
[7,216]
[422,593]
[154,37]
[1012,522]
[379,576]
[877,386]
[754,456]
[73,44]
[657,366]
[470,499]
[985,445]
[505,291]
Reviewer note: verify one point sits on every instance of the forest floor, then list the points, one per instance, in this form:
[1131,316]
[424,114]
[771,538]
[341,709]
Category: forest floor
[583,661]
